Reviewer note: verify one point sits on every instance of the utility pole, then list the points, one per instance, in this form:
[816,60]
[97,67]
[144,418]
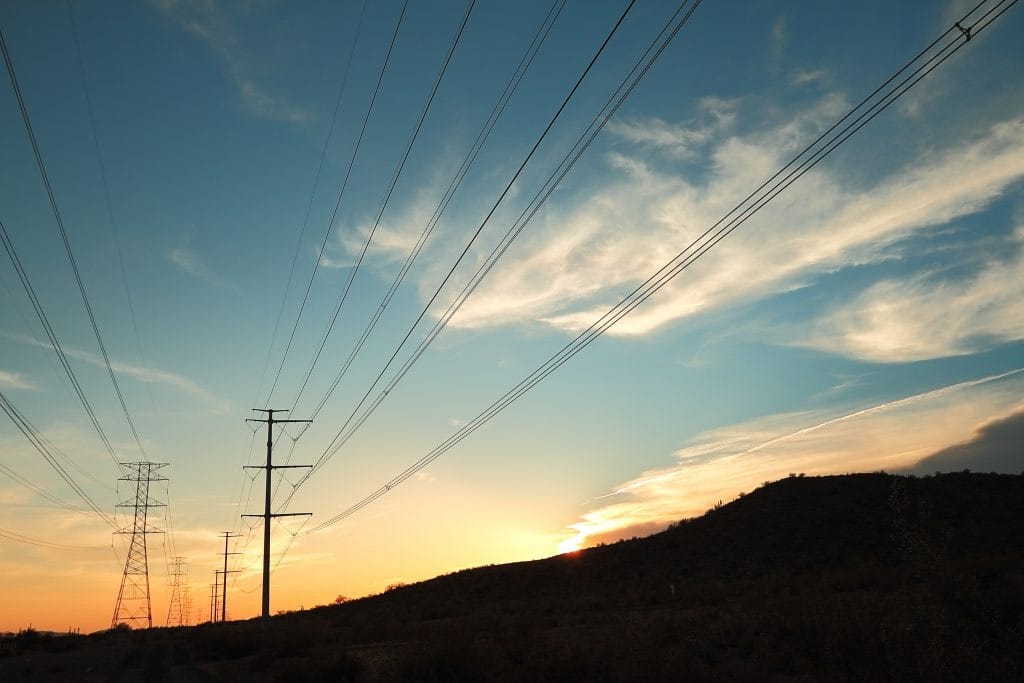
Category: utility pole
[213,598]
[216,594]
[133,603]
[267,516]
[224,592]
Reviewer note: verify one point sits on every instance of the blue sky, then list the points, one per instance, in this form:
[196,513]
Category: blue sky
[866,319]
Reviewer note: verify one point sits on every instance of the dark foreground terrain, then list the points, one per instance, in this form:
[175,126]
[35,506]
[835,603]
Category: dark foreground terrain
[856,577]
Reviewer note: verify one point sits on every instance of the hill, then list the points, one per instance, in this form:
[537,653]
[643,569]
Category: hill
[854,577]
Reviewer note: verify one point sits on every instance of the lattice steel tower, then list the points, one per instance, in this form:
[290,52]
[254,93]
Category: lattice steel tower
[133,603]
[177,613]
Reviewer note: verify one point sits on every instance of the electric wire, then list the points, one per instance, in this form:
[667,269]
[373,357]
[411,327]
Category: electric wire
[26,119]
[770,189]
[41,492]
[586,138]
[337,204]
[508,187]
[400,167]
[236,524]
[539,38]
[44,175]
[32,434]
[339,439]
[312,195]
[106,191]
[37,306]
[388,194]
[499,108]
[38,542]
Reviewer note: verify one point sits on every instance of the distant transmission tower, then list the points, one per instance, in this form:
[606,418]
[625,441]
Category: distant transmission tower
[177,613]
[133,603]
[186,601]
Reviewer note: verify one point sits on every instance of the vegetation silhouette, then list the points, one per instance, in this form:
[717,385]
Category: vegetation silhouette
[852,577]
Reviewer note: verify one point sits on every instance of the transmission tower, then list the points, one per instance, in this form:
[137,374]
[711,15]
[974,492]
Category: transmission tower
[186,599]
[133,603]
[177,614]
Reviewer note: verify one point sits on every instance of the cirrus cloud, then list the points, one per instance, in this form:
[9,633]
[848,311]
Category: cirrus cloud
[570,274]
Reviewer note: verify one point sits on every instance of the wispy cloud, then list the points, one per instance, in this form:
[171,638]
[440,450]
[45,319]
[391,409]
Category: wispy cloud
[804,77]
[779,37]
[210,22]
[398,232]
[926,316]
[568,276]
[188,261]
[720,464]
[15,380]
[681,141]
[143,374]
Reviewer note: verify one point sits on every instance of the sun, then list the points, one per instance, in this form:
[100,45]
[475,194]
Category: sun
[571,545]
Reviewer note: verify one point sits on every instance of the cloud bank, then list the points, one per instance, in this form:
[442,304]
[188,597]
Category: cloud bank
[893,436]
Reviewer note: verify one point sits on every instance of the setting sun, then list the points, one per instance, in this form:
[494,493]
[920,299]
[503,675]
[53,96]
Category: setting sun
[571,545]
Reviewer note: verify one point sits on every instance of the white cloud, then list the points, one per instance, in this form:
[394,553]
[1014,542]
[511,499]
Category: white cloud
[808,76]
[143,374]
[923,316]
[14,380]
[678,141]
[720,464]
[569,275]
[208,22]
[779,37]
[399,230]
[188,261]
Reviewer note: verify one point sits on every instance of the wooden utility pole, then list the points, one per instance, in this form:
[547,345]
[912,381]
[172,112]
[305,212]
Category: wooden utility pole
[267,515]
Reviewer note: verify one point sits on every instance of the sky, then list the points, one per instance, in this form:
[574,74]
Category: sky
[219,167]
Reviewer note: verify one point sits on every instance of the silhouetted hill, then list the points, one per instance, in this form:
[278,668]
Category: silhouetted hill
[855,577]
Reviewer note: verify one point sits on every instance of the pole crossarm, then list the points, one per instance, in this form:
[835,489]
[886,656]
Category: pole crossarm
[282,514]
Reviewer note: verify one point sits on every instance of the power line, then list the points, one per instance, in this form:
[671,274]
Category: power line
[540,36]
[312,194]
[27,483]
[338,440]
[32,434]
[106,186]
[380,213]
[582,144]
[835,136]
[499,108]
[37,306]
[341,194]
[26,119]
[38,542]
[387,196]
